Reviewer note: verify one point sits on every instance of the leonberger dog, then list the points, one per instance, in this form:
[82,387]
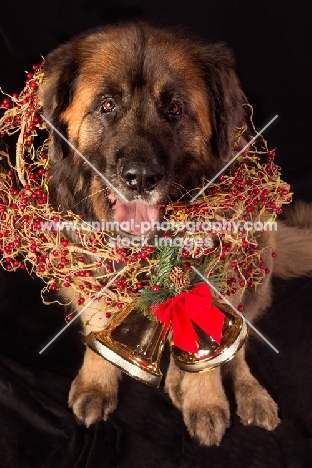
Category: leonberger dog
[154,112]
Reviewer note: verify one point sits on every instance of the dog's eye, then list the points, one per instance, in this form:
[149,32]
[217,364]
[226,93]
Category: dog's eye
[174,108]
[108,105]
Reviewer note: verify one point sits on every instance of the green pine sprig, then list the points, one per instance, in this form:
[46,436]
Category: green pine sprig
[169,257]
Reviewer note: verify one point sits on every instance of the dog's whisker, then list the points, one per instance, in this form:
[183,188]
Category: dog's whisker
[183,192]
[89,196]
[181,189]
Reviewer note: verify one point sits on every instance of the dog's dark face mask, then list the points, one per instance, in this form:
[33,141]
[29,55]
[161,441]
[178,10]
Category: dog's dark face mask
[152,112]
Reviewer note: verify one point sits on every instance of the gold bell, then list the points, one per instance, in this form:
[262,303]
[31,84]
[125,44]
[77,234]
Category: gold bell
[132,342]
[211,354]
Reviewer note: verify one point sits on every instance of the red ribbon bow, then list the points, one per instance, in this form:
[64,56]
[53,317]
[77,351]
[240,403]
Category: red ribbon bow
[195,305]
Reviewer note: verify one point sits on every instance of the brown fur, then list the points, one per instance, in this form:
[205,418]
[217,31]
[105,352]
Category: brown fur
[144,69]
[293,243]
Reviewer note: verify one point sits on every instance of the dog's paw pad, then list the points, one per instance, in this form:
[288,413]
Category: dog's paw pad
[257,408]
[207,425]
[90,404]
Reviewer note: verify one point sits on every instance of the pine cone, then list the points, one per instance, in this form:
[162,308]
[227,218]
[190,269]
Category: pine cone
[178,278]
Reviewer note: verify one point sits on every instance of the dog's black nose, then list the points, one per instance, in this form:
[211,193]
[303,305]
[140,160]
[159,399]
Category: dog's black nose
[141,176]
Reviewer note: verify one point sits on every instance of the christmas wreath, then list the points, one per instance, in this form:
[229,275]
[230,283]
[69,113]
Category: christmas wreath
[160,267]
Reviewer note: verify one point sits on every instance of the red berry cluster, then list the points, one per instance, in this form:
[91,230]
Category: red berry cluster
[22,109]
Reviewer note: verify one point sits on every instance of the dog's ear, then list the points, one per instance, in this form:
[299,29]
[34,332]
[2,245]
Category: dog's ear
[60,71]
[225,96]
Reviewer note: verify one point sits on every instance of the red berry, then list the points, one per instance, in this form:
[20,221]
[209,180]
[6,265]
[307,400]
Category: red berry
[274,254]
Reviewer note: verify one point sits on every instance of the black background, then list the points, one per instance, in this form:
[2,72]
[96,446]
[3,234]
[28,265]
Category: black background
[272,42]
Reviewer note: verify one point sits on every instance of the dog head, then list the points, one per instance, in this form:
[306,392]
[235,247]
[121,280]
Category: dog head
[151,111]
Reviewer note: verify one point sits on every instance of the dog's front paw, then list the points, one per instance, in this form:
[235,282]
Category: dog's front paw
[207,424]
[256,407]
[91,403]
